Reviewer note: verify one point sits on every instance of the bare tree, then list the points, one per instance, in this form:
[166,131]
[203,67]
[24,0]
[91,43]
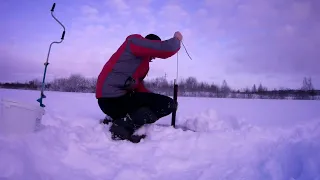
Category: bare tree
[225,89]
[307,84]
[254,88]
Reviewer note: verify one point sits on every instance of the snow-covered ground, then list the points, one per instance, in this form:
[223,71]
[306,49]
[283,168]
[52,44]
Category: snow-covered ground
[236,139]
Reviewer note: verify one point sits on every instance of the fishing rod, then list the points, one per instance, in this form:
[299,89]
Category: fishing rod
[47,61]
[175,89]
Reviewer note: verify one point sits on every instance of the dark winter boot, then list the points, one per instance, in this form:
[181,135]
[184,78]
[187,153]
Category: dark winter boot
[136,138]
[106,120]
[123,129]
[139,118]
[120,133]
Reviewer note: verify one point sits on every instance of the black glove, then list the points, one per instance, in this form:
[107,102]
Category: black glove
[129,83]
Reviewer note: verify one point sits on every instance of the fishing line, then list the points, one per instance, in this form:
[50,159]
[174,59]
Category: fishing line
[175,89]
[186,50]
[177,68]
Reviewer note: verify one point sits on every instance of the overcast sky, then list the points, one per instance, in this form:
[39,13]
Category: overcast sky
[244,42]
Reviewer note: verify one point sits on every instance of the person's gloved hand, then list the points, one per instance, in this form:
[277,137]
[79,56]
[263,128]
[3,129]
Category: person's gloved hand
[178,35]
[130,83]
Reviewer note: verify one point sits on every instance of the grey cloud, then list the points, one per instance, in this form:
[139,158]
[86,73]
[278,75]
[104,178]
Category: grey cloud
[273,36]
[18,69]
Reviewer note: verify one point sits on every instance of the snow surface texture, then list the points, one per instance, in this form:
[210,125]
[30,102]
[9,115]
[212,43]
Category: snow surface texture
[235,140]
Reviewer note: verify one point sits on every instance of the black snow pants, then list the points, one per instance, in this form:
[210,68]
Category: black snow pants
[133,110]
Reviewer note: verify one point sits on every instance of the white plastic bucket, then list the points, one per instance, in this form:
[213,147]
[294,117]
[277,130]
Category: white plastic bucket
[19,118]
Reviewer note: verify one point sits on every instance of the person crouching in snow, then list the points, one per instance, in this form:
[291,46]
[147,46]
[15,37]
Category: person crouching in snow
[120,89]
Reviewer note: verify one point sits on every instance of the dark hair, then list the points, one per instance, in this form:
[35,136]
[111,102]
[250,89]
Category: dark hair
[153,37]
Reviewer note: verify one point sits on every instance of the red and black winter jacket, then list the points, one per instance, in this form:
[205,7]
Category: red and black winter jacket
[129,65]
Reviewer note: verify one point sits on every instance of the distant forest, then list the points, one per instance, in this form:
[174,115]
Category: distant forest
[187,87]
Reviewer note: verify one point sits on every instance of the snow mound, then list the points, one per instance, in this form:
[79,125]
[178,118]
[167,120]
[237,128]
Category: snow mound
[81,148]
[211,121]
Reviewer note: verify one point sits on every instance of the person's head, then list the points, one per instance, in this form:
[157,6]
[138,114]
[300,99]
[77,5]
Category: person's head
[153,37]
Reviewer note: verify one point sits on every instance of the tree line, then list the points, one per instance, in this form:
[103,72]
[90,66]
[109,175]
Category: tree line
[187,87]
